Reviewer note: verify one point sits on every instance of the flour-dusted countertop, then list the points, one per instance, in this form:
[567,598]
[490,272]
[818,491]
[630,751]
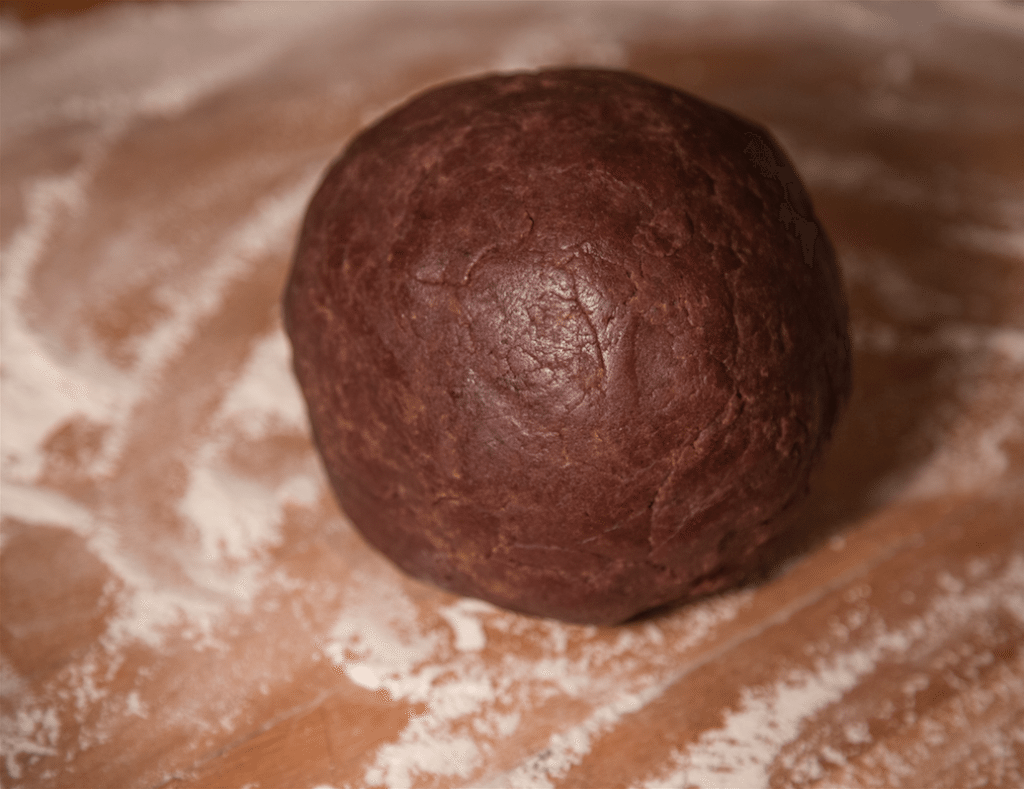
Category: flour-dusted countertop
[182,603]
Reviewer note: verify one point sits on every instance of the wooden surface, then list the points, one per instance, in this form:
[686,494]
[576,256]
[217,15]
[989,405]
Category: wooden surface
[184,606]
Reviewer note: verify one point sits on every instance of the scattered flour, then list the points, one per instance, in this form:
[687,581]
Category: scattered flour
[469,633]
[742,752]
[269,228]
[44,385]
[974,433]
[33,728]
[567,748]
[107,69]
[39,390]
[382,642]
[236,516]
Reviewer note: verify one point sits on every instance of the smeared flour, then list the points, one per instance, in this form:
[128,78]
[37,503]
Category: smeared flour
[33,729]
[234,515]
[742,752]
[46,386]
[382,642]
[567,748]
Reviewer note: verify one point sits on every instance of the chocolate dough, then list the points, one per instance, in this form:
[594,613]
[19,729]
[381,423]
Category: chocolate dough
[570,340]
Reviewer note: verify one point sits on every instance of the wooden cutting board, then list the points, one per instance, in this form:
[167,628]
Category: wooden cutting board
[183,605]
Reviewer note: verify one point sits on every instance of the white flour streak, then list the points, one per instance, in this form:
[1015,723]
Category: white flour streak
[146,607]
[46,385]
[743,751]
[472,705]
[969,459]
[986,416]
[378,643]
[968,340]
[566,749]
[989,239]
[235,515]
[39,392]
[41,506]
[427,747]
[33,730]
[41,387]
[130,72]
[269,227]
[896,289]
[135,706]
[266,396]
[469,632]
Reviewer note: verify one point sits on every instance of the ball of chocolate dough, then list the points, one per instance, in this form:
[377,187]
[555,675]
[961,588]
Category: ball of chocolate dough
[570,340]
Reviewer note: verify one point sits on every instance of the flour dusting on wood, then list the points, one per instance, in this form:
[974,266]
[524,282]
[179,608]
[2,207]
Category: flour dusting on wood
[178,582]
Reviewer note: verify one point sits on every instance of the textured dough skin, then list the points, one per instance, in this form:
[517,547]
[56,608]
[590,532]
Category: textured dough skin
[569,341]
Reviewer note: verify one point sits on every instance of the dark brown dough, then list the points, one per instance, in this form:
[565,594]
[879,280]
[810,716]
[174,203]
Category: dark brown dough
[570,340]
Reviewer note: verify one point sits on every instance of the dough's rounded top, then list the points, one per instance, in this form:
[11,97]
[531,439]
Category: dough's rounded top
[570,340]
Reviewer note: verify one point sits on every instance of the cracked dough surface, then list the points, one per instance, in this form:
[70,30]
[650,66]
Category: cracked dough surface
[570,340]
